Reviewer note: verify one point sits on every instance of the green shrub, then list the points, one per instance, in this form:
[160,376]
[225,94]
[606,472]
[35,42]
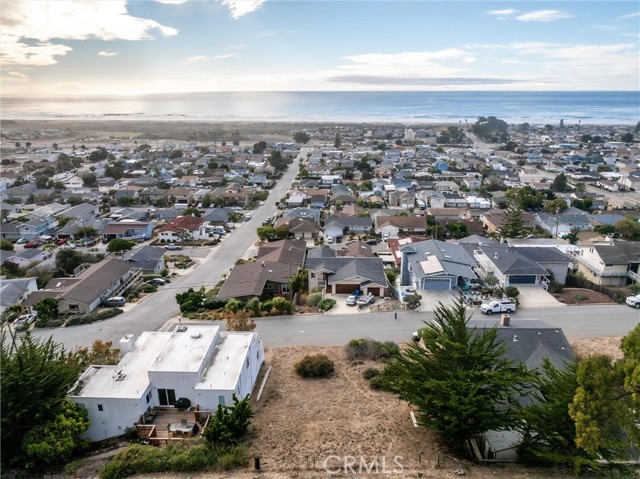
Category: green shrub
[555,287]
[326,304]
[229,423]
[370,373]
[314,298]
[215,303]
[580,296]
[92,317]
[237,456]
[377,383]
[147,288]
[512,292]
[366,348]
[49,323]
[282,305]
[317,289]
[233,305]
[315,366]
[253,305]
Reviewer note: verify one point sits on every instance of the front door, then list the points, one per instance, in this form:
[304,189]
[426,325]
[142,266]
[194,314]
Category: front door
[167,397]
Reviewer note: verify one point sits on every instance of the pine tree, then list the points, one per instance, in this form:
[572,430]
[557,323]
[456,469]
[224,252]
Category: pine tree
[457,377]
[512,224]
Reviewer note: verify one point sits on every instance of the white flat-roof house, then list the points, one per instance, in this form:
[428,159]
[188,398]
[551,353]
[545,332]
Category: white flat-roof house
[198,362]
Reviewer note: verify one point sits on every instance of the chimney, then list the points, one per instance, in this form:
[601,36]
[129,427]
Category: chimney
[506,320]
[127,343]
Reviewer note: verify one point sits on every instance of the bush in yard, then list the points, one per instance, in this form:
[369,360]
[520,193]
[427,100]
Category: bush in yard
[366,348]
[314,298]
[580,296]
[412,300]
[512,292]
[315,366]
[326,304]
[232,305]
[282,305]
[147,288]
[229,423]
[253,305]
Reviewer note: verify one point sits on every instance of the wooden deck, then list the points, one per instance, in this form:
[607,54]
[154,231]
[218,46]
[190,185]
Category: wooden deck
[155,427]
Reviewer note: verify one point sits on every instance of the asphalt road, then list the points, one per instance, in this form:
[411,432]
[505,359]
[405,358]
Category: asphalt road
[153,312]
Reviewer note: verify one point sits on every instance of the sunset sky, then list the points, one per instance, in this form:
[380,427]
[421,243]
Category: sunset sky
[62,47]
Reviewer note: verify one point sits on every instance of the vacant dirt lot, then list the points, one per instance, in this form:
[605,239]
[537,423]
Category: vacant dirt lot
[574,295]
[299,423]
[590,346]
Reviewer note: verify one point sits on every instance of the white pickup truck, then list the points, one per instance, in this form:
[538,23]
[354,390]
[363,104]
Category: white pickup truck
[498,306]
[634,301]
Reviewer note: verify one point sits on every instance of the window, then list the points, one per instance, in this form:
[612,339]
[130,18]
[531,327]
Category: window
[221,400]
[285,288]
[148,397]
[247,365]
[268,286]
[100,408]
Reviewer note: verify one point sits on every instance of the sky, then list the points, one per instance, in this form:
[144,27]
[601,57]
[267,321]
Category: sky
[125,47]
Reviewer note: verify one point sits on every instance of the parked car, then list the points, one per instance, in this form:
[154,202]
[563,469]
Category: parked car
[61,241]
[114,301]
[351,300]
[70,246]
[172,246]
[634,301]
[247,217]
[21,241]
[498,306]
[330,239]
[32,244]
[157,281]
[366,299]
[27,318]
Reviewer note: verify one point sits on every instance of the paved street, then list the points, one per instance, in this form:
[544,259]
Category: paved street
[153,312]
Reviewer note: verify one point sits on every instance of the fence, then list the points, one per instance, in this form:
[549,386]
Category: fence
[574,281]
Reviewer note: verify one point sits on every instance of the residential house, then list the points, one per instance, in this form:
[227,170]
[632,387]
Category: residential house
[338,226]
[346,275]
[562,224]
[530,343]
[304,213]
[197,362]
[299,228]
[129,230]
[317,198]
[403,199]
[454,200]
[472,183]
[37,227]
[436,265]
[151,196]
[181,228]
[15,291]
[44,195]
[492,219]
[514,266]
[269,275]
[27,257]
[86,291]
[150,259]
[21,194]
[478,202]
[610,263]
[396,226]
[179,196]
[107,184]
[235,194]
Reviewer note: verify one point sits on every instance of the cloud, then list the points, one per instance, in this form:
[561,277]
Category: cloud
[172,2]
[107,53]
[543,16]
[239,8]
[206,58]
[30,29]
[629,15]
[503,14]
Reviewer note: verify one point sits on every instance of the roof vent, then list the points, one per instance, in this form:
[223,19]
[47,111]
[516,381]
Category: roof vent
[196,335]
[181,329]
[515,338]
[495,256]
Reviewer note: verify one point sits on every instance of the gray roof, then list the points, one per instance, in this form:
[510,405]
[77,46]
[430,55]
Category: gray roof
[318,253]
[11,290]
[510,262]
[83,210]
[544,255]
[371,270]
[307,213]
[453,258]
[619,252]
[249,279]
[217,215]
[96,280]
[349,221]
[532,345]
[146,257]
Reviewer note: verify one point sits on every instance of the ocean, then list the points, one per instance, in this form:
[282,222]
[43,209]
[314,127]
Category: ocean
[402,107]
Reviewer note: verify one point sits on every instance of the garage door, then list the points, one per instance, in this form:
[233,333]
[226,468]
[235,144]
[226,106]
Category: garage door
[522,280]
[346,288]
[374,291]
[436,284]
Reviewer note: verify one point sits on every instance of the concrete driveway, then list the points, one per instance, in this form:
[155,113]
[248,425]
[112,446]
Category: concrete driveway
[430,299]
[533,296]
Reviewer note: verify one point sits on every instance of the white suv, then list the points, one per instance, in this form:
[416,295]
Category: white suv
[634,301]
